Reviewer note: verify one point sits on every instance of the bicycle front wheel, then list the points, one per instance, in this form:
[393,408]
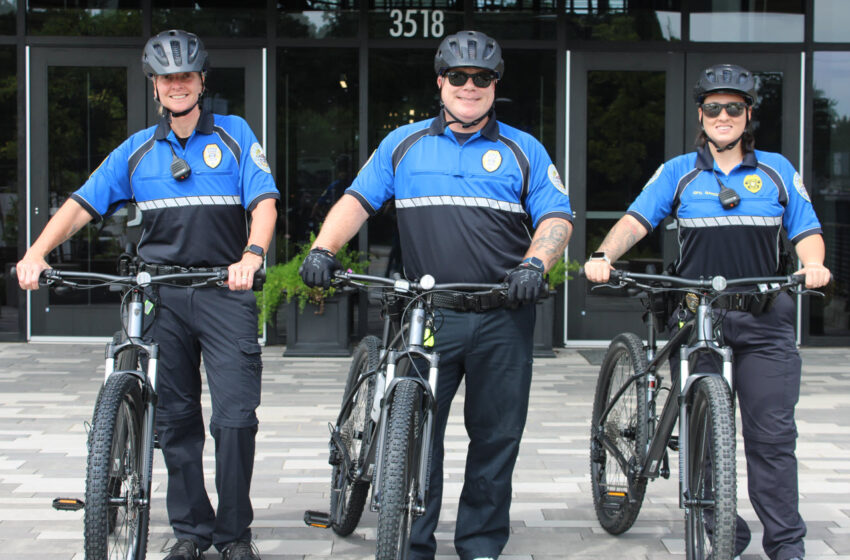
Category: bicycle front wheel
[399,484]
[116,522]
[619,434]
[348,494]
[710,510]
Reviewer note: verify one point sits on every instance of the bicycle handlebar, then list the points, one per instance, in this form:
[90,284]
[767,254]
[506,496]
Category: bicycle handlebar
[425,284]
[715,283]
[70,278]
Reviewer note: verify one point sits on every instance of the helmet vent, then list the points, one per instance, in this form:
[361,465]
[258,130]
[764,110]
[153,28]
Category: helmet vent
[175,53]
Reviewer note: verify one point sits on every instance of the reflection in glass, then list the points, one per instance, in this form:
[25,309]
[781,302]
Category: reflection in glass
[246,18]
[625,145]
[84,17]
[8,191]
[318,19]
[525,97]
[225,91]
[767,114]
[651,20]
[720,21]
[87,112]
[414,19]
[317,142]
[8,11]
[832,20]
[517,19]
[830,187]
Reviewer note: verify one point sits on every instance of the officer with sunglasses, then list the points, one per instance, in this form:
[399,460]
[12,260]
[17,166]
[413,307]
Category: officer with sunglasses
[208,199]
[731,203]
[464,184]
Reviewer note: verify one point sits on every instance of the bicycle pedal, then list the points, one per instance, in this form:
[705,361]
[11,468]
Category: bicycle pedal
[673,443]
[613,500]
[68,504]
[319,519]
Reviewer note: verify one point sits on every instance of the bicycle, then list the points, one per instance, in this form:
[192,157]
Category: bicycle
[121,437]
[629,443]
[383,434]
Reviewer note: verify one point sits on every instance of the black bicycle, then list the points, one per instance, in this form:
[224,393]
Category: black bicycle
[121,439]
[383,435]
[629,443]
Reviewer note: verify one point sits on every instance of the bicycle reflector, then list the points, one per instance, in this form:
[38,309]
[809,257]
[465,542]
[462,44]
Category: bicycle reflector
[318,519]
[68,504]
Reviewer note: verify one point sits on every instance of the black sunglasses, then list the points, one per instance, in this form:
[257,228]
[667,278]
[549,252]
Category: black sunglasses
[480,79]
[734,109]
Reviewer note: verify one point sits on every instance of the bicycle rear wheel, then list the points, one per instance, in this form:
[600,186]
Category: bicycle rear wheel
[116,523]
[619,437]
[710,514]
[399,484]
[348,494]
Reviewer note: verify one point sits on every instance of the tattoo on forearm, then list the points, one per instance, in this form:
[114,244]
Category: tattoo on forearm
[622,237]
[550,241]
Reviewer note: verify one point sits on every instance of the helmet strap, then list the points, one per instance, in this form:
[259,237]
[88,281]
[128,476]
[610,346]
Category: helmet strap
[187,111]
[731,144]
[466,124]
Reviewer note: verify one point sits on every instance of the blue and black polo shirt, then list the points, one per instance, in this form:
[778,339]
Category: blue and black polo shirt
[461,206]
[740,242]
[200,221]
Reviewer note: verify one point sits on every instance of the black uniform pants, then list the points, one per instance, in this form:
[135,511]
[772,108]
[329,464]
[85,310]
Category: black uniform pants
[493,351]
[221,326]
[767,372]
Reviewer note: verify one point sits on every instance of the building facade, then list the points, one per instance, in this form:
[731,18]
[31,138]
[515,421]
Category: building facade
[605,85]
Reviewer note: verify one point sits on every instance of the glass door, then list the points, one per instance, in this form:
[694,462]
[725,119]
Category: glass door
[624,121]
[84,103]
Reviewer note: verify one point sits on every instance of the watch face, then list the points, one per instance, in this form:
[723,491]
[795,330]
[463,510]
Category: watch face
[597,255]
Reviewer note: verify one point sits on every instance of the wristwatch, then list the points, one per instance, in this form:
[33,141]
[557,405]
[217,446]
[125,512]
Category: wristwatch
[599,256]
[255,249]
[533,262]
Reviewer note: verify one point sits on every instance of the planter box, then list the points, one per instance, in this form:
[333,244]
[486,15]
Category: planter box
[309,334]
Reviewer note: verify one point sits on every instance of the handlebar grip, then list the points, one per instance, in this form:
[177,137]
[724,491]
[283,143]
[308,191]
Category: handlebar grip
[259,280]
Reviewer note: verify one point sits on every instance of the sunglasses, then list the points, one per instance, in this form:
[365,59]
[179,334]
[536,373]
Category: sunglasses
[480,79]
[734,109]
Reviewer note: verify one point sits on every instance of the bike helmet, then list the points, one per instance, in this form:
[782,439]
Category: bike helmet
[469,48]
[174,51]
[726,78]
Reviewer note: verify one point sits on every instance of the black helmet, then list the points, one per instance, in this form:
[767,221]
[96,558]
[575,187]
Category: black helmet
[174,51]
[469,48]
[726,78]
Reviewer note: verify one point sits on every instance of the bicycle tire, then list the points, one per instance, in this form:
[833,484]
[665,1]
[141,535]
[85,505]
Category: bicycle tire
[113,473]
[399,484]
[710,532]
[348,496]
[617,492]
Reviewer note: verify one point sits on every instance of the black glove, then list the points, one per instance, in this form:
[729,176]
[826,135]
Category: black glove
[318,267]
[525,282]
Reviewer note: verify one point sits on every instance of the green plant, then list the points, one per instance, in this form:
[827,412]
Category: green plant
[283,283]
[560,272]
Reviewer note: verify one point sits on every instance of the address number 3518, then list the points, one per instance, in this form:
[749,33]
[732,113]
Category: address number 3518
[406,23]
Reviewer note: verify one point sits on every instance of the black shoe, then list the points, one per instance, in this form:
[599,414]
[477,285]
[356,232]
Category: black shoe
[240,550]
[185,549]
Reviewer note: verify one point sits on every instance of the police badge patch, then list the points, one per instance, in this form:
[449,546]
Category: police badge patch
[752,183]
[800,187]
[212,155]
[555,179]
[259,157]
[491,160]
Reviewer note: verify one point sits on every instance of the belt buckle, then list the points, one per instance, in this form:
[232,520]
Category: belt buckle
[691,301]
[471,303]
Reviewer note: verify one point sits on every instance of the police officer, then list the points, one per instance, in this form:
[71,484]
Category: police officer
[198,178]
[463,184]
[730,202]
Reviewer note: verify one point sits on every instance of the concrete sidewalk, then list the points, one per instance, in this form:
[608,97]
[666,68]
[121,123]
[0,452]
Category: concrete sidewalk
[47,392]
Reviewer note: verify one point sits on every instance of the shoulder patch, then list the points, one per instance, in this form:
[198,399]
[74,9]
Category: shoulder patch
[654,176]
[800,187]
[555,179]
[259,157]
[212,155]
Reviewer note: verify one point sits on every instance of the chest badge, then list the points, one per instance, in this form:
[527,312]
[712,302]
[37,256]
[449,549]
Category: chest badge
[491,160]
[212,155]
[752,183]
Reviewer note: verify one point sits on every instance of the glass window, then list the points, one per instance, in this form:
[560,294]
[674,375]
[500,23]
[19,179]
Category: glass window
[621,20]
[829,187]
[318,19]
[414,19]
[8,193]
[525,97]
[246,18]
[517,19]
[84,17]
[832,20]
[317,140]
[757,21]
[8,11]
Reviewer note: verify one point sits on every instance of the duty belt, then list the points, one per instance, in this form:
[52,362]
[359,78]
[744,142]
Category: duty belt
[468,302]
[750,302]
